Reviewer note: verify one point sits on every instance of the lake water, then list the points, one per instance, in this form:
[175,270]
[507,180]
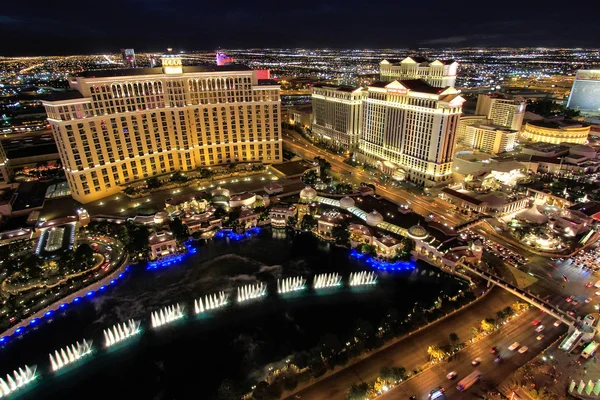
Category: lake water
[190,359]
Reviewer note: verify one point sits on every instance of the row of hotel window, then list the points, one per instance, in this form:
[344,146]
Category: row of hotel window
[145,167]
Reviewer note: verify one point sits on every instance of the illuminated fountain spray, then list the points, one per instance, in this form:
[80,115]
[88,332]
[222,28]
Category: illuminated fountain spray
[210,302]
[288,285]
[322,281]
[69,354]
[249,292]
[120,332]
[17,380]
[166,315]
[363,278]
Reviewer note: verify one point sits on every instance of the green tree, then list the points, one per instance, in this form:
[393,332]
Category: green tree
[454,339]
[136,239]
[308,222]
[84,256]
[153,183]
[324,166]
[488,324]
[220,213]
[341,234]
[180,231]
[292,221]
[398,374]
[358,391]
[435,352]
[310,177]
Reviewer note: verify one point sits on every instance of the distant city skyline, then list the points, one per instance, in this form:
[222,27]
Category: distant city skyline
[41,28]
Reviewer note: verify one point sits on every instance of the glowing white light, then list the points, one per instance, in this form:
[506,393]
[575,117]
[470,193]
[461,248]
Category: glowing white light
[166,315]
[322,281]
[249,292]
[288,285]
[120,332]
[70,354]
[210,302]
[17,380]
[363,278]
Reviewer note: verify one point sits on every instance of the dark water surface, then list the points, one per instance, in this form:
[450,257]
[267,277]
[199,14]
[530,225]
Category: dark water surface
[189,359]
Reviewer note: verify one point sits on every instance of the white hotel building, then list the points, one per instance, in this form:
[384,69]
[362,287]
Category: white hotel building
[120,126]
[336,114]
[410,126]
[437,73]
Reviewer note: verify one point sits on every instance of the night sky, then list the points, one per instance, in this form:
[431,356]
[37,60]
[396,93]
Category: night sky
[49,27]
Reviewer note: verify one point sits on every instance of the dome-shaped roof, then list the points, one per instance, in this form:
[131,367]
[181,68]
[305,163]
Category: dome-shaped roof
[374,218]
[308,193]
[219,191]
[346,202]
[417,232]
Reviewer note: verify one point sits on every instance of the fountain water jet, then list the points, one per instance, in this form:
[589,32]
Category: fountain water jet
[70,354]
[166,315]
[17,380]
[249,292]
[363,278]
[120,332]
[288,285]
[210,302]
[327,280]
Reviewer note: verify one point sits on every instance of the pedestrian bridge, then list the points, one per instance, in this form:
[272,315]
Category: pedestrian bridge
[522,294]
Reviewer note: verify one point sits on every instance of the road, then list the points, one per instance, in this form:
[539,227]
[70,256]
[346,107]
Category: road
[419,204]
[521,330]
[412,351]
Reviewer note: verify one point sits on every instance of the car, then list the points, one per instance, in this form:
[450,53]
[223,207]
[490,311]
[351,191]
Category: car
[436,393]
[523,349]
[498,360]
[514,346]
[589,284]
[571,313]
[588,300]
[536,322]
[569,299]
[476,361]
[494,350]
[575,303]
[539,328]
[597,293]
[413,397]
[451,375]
[540,337]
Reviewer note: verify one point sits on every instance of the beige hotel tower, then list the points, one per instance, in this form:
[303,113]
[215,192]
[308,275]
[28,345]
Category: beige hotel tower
[121,126]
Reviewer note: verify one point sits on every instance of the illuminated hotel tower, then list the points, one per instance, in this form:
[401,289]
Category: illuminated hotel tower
[336,114]
[437,73]
[409,127]
[121,126]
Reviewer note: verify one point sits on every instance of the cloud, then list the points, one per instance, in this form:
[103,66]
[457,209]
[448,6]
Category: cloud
[5,19]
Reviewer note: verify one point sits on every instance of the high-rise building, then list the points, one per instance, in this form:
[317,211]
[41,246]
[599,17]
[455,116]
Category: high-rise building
[585,93]
[410,126]
[128,56]
[501,110]
[437,73]
[336,114]
[466,121]
[491,139]
[121,126]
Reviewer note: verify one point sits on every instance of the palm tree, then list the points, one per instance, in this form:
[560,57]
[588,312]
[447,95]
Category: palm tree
[435,352]
[454,340]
